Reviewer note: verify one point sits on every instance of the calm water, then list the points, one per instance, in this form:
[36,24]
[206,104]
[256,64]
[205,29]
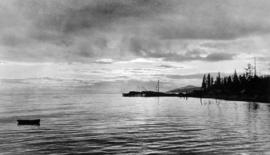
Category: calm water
[78,122]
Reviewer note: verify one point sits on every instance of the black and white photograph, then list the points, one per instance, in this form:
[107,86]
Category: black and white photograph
[135,77]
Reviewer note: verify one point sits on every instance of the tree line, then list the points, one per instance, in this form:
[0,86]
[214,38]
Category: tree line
[247,83]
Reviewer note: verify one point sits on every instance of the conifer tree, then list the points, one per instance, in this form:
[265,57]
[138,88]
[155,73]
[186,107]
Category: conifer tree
[204,83]
[218,81]
[208,81]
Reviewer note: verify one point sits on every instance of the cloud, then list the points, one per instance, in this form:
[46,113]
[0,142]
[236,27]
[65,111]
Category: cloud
[155,49]
[189,76]
[216,20]
[219,56]
[169,66]
[165,66]
[103,13]
[87,30]
[198,76]
[104,61]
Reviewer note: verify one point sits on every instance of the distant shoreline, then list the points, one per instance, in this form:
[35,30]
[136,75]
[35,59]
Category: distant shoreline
[221,96]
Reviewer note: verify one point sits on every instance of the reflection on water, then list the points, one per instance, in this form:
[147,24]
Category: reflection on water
[73,122]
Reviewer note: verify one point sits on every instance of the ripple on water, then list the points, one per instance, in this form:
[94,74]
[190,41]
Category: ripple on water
[113,125]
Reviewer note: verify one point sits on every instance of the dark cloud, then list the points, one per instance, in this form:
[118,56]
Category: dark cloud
[75,15]
[225,29]
[216,20]
[77,30]
[105,12]
[219,56]
[14,40]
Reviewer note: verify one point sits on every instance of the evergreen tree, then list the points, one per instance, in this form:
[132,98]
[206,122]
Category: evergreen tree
[229,81]
[204,83]
[208,80]
[245,86]
[236,82]
[211,82]
[218,81]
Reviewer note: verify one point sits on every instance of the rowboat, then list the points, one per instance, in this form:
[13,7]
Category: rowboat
[28,122]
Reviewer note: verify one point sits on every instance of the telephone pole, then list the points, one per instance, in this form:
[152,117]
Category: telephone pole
[158,87]
[255,67]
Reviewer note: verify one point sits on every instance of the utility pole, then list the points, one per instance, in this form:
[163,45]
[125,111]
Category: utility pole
[158,86]
[255,67]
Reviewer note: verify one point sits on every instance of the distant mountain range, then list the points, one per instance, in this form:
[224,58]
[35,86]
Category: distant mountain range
[187,88]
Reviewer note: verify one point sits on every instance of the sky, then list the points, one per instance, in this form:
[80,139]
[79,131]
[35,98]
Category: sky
[118,45]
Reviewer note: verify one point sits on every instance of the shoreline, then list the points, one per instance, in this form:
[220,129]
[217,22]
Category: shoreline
[222,97]
[233,99]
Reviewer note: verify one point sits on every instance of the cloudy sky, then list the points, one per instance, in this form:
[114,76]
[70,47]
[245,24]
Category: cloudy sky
[130,44]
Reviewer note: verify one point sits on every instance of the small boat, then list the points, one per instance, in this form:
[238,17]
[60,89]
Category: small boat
[28,122]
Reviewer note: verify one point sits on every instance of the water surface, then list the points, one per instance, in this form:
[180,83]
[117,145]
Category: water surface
[80,122]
